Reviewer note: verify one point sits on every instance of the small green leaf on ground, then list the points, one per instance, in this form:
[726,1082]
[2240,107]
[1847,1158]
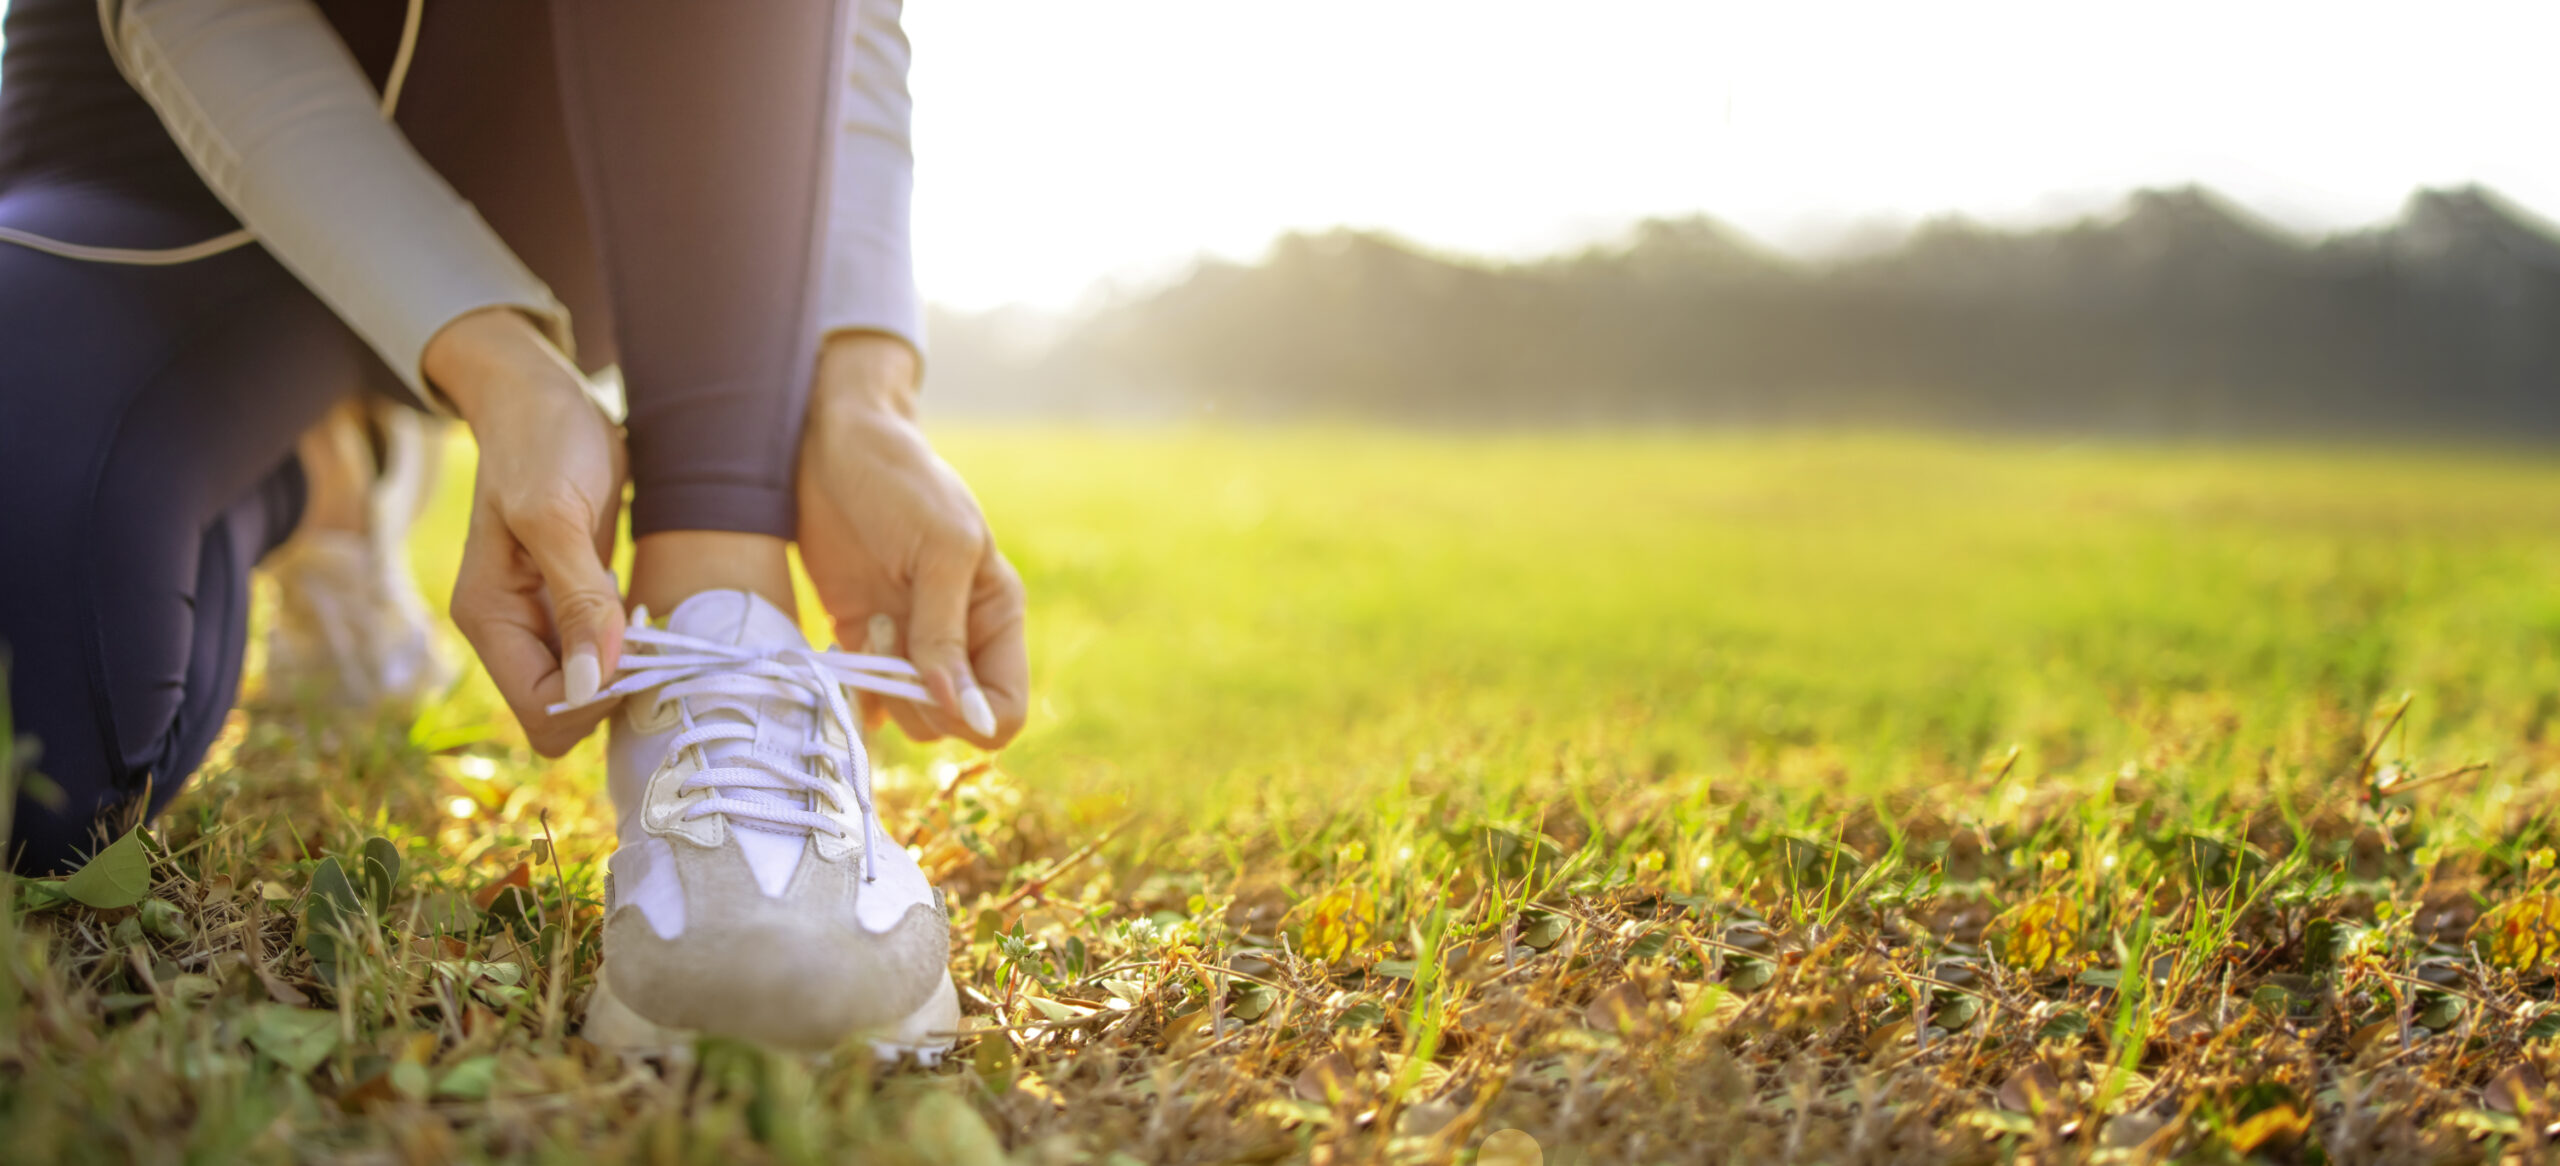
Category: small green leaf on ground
[515,908]
[1744,974]
[444,913]
[191,988]
[1541,930]
[497,972]
[1056,1011]
[331,891]
[994,1062]
[1251,1001]
[945,1130]
[329,912]
[2065,1026]
[381,872]
[118,876]
[41,894]
[298,1038]
[163,918]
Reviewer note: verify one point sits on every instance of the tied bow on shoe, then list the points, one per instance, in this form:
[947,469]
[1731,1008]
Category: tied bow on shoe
[751,784]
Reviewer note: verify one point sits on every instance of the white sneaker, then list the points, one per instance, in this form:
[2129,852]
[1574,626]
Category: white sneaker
[350,627]
[755,893]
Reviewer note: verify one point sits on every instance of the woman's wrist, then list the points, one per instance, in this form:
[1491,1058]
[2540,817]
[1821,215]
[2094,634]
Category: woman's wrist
[862,375]
[482,359]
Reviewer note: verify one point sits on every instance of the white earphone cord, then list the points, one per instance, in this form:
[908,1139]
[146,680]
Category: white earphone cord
[229,240]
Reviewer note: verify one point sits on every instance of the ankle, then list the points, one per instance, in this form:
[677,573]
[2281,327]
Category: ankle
[670,567]
[337,471]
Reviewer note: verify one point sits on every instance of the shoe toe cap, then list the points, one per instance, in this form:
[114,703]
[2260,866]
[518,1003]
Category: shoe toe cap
[775,977]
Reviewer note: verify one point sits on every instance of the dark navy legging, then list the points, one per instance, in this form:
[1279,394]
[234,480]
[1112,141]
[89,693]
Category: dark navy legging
[148,414]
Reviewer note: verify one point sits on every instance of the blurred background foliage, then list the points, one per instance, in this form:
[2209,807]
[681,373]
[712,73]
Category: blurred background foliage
[2180,314]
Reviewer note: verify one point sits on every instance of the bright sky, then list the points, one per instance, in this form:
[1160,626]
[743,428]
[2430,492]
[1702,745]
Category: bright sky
[1062,143]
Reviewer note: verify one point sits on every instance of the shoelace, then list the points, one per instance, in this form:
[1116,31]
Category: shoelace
[756,786]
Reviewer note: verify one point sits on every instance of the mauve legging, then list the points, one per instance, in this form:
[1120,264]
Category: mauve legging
[657,163]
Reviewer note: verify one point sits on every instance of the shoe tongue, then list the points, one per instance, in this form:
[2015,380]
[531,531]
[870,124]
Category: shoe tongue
[742,618]
[747,620]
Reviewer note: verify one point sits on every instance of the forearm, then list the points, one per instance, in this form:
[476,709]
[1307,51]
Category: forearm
[274,114]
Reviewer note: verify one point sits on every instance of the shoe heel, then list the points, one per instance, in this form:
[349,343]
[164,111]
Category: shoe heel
[927,1033]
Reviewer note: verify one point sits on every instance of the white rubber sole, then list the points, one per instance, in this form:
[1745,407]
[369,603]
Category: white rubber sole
[925,1035]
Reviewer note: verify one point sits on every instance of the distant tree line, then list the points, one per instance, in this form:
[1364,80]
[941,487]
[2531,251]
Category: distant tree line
[2182,314]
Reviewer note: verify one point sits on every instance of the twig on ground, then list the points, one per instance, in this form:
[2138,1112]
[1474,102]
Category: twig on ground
[1040,882]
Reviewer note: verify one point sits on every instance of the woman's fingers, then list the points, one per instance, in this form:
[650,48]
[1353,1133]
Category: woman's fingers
[877,633]
[586,602]
[999,652]
[938,634]
[919,720]
[967,641]
[498,605]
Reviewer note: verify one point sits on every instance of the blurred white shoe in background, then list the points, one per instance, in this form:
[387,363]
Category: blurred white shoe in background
[350,627]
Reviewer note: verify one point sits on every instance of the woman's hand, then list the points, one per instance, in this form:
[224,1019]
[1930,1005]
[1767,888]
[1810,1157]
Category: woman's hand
[536,594]
[887,529]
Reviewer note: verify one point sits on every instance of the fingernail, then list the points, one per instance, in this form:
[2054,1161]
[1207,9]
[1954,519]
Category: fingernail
[974,711]
[880,638]
[584,673]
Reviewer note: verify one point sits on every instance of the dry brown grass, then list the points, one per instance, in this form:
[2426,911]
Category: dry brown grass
[1917,987]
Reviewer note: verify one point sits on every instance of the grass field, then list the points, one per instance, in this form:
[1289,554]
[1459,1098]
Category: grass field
[1666,798]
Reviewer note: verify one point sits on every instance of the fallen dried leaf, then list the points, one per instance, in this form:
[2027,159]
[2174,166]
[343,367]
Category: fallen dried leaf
[2364,1037]
[1425,1118]
[2518,1089]
[520,875]
[1619,1009]
[2185,1028]
[371,1091]
[1882,1039]
[1339,923]
[2036,934]
[2033,1089]
[2128,1130]
[277,989]
[1031,1085]
[2521,934]
[1057,1011]
[1510,1148]
[1327,1080]
[2276,1127]
[1184,1033]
